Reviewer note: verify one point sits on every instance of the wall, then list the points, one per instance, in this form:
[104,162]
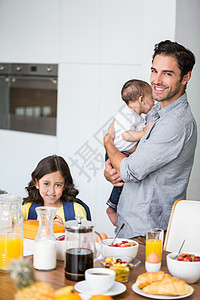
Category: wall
[187,33]
[99,45]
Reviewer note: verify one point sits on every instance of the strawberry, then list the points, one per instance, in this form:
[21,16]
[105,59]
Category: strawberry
[60,238]
[124,245]
[197,258]
[180,258]
[188,258]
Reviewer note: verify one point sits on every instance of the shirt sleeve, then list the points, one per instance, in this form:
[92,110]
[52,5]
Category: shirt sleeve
[162,144]
[60,213]
[25,210]
[80,211]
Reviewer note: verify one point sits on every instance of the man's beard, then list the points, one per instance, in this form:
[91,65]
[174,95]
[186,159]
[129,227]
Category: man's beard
[169,95]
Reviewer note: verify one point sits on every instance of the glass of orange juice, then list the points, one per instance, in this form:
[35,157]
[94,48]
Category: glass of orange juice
[154,245]
[11,230]
[11,247]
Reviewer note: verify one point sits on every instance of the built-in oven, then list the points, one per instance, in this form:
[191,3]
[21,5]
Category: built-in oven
[28,97]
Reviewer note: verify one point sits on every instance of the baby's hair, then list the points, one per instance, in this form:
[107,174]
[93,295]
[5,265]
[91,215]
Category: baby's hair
[133,89]
[47,165]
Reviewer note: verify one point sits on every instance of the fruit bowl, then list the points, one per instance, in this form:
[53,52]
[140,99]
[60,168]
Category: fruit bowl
[120,266]
[122,247]
[186,270]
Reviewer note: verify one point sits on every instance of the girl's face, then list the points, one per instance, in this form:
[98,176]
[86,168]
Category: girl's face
[51,187]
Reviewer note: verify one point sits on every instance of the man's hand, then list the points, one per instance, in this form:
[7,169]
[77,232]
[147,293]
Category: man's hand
[110,135]
[111,174]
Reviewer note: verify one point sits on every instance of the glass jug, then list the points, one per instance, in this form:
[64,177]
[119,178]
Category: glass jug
[11,230]
[45,243]
[80,248]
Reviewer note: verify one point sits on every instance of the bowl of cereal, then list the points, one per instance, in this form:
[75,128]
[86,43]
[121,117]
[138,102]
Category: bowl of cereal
[120,249]
[185,267]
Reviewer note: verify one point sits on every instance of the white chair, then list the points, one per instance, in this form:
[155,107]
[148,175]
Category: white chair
[184,224]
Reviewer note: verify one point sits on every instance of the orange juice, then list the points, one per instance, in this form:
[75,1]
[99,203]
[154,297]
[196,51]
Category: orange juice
[11,247]
[155,246]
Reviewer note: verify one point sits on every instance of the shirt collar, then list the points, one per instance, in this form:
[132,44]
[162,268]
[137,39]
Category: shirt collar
[180,101]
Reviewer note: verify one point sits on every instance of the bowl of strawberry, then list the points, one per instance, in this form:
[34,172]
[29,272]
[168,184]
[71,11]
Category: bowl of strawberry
[186,266]
[121,248]
[61,245]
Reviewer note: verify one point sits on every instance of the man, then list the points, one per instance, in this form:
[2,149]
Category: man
[157,173]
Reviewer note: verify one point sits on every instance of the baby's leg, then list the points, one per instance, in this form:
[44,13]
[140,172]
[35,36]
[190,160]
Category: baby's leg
[112,214]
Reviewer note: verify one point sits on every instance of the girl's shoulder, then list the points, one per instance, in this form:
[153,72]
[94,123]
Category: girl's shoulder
[80,210]
[25,209]
[27,205]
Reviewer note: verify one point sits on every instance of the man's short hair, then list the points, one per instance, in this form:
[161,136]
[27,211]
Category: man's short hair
[185,58]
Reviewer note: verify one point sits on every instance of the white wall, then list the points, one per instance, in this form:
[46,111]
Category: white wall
[99,45]
[187,33]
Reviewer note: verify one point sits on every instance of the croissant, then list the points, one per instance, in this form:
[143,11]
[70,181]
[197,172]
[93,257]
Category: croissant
[148,278]
[168,286]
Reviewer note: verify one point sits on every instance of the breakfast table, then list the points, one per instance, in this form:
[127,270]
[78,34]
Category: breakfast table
[56,278]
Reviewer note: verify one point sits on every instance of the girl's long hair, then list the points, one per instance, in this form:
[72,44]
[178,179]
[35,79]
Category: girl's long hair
[49,165]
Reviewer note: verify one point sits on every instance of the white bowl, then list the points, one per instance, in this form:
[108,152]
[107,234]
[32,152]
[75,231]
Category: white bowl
[188,271]
[60,247]
[119,252]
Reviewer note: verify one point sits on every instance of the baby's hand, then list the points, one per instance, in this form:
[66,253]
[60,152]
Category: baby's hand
[129,136]
[148,126]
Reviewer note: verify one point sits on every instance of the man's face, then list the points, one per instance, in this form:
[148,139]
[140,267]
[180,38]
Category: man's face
[165,80]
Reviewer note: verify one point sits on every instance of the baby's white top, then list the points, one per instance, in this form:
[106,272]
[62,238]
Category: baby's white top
[127,119]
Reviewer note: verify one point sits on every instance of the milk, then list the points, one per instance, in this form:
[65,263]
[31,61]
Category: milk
[44,255]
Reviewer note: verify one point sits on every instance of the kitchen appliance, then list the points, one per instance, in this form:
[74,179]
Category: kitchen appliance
[28,97]
[80,248]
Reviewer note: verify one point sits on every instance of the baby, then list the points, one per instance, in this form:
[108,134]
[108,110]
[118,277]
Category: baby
[130,126]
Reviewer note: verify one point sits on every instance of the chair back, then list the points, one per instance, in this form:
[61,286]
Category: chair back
[184,224]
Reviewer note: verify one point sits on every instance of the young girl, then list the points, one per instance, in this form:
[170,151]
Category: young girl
[52,185]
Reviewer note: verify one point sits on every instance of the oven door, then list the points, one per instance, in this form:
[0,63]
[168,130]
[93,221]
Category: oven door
[4,102]
[28,104]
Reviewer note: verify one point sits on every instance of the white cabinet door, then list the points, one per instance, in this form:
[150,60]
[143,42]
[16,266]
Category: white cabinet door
[29,31]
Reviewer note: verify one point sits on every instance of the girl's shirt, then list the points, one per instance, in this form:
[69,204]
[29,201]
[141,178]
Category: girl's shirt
[78,209]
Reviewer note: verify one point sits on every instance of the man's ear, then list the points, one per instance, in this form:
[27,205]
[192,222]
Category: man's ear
[186,78]
[36,184]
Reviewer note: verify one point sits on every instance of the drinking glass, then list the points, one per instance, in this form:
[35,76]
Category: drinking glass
[11,230]
[154,245]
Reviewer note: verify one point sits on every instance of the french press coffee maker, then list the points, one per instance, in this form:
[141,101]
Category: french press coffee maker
[81,251]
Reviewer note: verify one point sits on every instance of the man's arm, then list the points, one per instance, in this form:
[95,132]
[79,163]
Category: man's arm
[111,174]
[114,155]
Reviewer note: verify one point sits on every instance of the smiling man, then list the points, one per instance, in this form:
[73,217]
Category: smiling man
[157,173]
